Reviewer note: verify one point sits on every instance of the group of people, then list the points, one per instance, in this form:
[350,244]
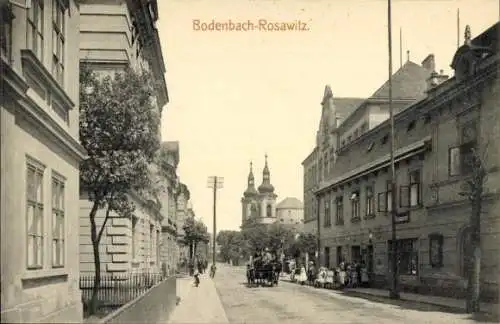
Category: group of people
[345,275]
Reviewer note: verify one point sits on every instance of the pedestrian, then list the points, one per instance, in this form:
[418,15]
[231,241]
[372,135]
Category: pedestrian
[196,277]
[212,270]
[303,275]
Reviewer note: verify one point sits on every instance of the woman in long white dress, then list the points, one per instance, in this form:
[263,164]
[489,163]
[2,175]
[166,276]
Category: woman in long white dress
[303,275]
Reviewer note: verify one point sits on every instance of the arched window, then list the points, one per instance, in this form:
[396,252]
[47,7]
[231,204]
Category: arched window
[253,211]
[269,211]
[466,252]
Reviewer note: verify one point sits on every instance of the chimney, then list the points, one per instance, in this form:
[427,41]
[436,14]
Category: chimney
[435,79]
[429,64]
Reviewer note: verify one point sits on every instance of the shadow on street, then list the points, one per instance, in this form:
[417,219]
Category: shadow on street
[422,307]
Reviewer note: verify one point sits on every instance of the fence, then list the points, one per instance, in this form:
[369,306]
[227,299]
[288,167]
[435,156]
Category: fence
[117,290]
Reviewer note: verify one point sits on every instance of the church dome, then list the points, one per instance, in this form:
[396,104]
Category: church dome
[250,191]
[266,186]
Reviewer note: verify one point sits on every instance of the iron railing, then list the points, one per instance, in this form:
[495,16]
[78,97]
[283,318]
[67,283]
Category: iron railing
[117,290]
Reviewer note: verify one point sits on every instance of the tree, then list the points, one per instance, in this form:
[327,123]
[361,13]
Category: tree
[194,232]
[255,236]
[230,243]
[474,190]
[119,124]
[304,243]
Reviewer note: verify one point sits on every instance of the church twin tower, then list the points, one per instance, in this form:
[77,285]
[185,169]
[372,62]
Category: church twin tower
[259,203]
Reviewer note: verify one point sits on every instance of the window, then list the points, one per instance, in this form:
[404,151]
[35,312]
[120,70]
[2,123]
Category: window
[332,159]
[6,32]
[34,30]
[349,139]
[58,11]
[407,252]
[355,205]
[461,158]
[370,201]
[151,243]
[34,214]
[385,199]
[415,188]
[269,211]
[58,229]
[134,237]
[343,143]
[320,169]
[325,165]
[427,119]
[157,246]
[436,250]
[340,210]
[328,219]
[389,196]
[384,139]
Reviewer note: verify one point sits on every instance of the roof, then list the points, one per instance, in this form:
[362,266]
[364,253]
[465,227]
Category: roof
[290,203]
[409,82]
[345,106]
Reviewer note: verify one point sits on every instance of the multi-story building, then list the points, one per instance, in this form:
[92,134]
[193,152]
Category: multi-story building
[290,212]
[40,154]
[115,35]
[333,112]
[434,139]
[169,227]
[183,207]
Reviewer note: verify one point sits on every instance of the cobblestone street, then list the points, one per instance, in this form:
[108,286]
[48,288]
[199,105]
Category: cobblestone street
[291,303]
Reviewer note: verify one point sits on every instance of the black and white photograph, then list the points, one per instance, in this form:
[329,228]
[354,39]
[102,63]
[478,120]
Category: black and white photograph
[250,161]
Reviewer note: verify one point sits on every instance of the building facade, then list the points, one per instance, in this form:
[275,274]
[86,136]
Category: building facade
[290,212]
[259,203]
[115,35]
[434,138]
[333,112]
[169,227]
[184,211]
[40,156]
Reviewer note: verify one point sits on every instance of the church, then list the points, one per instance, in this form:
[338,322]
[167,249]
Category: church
[259,203]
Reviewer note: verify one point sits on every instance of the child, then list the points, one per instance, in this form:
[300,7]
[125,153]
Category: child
[196,277]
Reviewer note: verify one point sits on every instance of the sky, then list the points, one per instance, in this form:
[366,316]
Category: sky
[237,95]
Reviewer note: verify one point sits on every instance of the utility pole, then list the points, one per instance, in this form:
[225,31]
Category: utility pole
[394,294]
[215,183]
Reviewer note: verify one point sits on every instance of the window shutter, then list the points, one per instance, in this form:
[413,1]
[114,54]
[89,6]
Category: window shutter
[454,161]
[404,196]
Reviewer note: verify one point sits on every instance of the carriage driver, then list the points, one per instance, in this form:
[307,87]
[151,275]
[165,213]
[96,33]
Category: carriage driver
[267,257]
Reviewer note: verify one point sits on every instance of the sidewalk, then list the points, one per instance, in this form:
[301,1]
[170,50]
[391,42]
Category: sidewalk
[198,304]
[446,302]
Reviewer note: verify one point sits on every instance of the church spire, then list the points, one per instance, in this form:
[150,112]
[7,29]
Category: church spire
[266,185]
[250,183]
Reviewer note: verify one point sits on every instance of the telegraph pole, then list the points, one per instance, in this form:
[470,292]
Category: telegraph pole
[394,294]
[215,183]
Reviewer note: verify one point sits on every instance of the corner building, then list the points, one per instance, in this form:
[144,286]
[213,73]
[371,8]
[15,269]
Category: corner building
[434,136]
[40,156]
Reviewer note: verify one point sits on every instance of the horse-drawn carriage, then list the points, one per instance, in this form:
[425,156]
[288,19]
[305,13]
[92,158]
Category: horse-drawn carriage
[263,272]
